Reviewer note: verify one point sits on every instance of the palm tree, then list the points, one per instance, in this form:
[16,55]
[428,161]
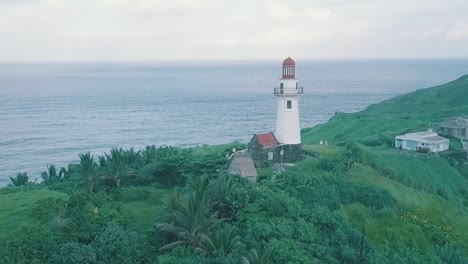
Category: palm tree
[149,154]
[20,179]
[220,191]
[120,164]
[199,185]
[88,170]
[65,174]
[254,258]
[50,176]
[102,161]
[132,157]
[223,242]
[190,220]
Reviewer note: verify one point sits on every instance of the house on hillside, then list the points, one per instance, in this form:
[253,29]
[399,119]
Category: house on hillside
[241,164]
[422,141]
[455,127]
[265,150]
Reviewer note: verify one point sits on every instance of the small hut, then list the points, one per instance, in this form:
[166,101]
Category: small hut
[264,149]
[241,164]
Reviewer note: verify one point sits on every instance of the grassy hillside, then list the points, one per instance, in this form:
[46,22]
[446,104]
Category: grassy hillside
[431,191]
[16,206]
[406,113]
[431,195]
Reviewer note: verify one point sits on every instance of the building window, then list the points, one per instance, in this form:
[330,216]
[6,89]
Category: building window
[270,155]
[288,104]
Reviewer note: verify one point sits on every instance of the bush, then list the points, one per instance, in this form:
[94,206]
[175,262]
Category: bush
[30,244]
[45,208]
[131,193]
[117,245]
[74,253]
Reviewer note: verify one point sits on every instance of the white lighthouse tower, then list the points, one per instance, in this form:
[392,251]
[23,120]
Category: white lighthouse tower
[288,130]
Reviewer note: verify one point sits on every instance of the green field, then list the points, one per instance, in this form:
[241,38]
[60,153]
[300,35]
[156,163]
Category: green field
[16,207]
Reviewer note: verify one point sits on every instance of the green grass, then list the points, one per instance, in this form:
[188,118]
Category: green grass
[143,214]
[215,149]
[330,152]
[16,207]
[426,210]
[406,113]
[426,172]
[387,228]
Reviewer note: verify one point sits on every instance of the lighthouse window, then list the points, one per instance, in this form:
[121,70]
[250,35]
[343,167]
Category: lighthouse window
[288,104]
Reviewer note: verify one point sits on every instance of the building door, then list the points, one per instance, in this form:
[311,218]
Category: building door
[411,145]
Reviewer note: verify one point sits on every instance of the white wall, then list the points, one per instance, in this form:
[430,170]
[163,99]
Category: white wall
[287,121]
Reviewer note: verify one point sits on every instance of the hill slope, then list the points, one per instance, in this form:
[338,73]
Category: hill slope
[431,191]
[406,113]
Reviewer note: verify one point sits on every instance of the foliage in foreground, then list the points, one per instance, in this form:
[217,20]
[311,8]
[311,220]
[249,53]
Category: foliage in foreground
[300,216]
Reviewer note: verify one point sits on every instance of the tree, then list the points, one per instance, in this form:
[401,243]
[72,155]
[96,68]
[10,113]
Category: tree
[65,173]
[220,193]
[74,253]
[117,245]
[88,171]
[20,179]
[119,164]
[189,217]
[51,176]
[223,242]
[115,166]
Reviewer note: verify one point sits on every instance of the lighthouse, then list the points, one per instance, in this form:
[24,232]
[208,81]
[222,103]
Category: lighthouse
[288,131]
[284,145]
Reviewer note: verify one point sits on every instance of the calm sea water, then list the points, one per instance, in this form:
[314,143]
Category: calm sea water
[49,113]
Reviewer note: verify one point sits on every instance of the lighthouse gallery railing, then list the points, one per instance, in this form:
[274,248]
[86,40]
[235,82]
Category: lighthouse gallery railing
[279,90]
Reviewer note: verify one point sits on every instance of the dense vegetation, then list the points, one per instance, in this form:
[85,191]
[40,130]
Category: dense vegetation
[361,202]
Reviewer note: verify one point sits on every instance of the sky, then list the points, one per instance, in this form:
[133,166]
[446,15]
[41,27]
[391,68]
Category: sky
[211,30]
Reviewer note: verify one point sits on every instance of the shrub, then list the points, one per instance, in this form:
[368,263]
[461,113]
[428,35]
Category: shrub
[117,245]
[74,253]
[45,208]
[131,193]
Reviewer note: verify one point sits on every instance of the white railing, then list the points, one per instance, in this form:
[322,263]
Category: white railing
[279,90]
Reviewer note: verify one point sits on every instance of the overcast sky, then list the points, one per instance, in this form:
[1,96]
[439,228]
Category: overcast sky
[192,30]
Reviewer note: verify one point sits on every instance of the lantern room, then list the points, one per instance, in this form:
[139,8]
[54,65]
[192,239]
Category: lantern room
[289,68]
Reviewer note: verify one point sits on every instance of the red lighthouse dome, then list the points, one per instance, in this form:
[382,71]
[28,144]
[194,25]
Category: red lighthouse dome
[289,68]
[289,62]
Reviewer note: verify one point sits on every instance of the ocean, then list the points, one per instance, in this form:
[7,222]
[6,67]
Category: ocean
[51,112]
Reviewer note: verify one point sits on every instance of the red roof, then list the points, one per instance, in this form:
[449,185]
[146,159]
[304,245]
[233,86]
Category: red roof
[289,62]
[267,139]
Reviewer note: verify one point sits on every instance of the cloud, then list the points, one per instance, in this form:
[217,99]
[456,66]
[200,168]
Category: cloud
[458,31]
[244,29]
